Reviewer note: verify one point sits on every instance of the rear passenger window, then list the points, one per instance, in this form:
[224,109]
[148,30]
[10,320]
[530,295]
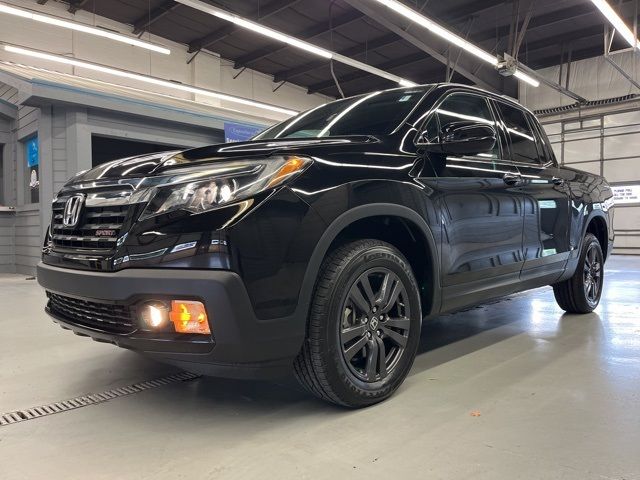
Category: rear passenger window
[523,140]
[543,140]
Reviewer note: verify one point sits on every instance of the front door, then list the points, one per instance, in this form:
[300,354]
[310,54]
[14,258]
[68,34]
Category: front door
[481,211]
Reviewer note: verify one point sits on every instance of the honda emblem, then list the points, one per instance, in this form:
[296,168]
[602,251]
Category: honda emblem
[72,210]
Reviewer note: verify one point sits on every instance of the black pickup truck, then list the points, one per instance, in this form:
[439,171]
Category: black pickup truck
[322,244]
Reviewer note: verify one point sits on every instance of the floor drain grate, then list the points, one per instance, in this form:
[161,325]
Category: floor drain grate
[91,399]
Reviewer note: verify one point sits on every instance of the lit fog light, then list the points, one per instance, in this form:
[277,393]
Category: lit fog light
[155,315]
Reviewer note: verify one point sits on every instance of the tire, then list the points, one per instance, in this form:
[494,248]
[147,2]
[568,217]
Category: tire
[340,361]
[581,293]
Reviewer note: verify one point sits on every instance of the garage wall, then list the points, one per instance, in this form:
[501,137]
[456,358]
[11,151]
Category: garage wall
[206,70]
[7,242]
[7,215]
[605,144]
[64,134]
[27,237]
[592,78]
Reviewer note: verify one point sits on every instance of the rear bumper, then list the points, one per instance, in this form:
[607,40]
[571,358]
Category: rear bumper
[241,345]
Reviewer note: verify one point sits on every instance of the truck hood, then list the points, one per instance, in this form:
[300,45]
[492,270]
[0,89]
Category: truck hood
[164,162]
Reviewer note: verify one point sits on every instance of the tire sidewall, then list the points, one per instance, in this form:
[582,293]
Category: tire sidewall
[589,241]
[354,390]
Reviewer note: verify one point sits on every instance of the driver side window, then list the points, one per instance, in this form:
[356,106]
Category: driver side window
[464,107]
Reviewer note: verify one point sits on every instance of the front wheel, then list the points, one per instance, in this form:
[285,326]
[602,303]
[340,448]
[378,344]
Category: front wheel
[364,325]
[581,293]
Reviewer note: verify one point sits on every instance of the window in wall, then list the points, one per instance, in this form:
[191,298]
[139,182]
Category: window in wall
[105,149]
[32,169]
[523,142]
[462,107]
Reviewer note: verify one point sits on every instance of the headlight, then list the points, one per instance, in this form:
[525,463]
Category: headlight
[235,181]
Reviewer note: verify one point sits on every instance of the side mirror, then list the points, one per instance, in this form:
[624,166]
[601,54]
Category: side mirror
[462,138]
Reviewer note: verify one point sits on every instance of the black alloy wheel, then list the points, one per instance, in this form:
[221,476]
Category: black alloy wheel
[364,325]
[375,324]
[581,293]
[593,274]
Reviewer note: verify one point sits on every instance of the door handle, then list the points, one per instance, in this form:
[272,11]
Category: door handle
[558,181]
[512,179]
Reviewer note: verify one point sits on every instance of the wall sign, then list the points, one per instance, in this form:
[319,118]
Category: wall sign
[626,194]
[239,132]
[31,152]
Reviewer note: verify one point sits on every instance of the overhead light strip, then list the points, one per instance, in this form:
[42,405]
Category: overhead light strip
[146,79]
[59,22]
[450,37]
[289,40]
[526,78]
[616,22]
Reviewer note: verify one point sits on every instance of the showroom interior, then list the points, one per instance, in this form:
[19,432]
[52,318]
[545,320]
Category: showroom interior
[512,388]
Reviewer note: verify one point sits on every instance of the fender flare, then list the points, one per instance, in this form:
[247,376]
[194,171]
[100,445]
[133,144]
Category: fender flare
[595,213]
[351,216]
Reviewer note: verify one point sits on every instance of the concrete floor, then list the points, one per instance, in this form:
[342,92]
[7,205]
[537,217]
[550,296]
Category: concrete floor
[558,397]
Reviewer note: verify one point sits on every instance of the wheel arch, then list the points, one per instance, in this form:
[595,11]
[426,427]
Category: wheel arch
[597,225]
[366,215]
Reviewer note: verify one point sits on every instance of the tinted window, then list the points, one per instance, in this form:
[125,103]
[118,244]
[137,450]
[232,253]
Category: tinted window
[543,140]
[377,113]
[461,107]
[431,130]
[523,143]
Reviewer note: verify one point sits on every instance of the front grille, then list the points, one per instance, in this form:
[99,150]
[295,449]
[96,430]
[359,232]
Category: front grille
[98,228]
[105,317]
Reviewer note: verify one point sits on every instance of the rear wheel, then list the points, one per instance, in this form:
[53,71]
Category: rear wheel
[364,325]
[581,293]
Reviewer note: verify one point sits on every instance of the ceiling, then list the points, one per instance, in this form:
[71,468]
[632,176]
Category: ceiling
[555,29]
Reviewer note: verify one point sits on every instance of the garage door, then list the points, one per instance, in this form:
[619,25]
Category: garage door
[608,145]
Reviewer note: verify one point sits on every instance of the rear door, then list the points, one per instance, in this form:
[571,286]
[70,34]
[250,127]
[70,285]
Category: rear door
[546,196]
[481,210]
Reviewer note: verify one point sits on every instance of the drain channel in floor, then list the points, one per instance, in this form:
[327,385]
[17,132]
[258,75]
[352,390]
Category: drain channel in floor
[91,399]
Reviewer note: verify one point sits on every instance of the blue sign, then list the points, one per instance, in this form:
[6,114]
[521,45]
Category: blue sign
[239,132]
[31,152]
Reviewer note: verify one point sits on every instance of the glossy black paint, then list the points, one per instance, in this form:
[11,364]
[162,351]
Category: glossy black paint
[472,227]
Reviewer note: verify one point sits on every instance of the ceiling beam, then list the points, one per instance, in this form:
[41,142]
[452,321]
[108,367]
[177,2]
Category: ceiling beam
[273,7]
[389,65]
[570,14]
[145,21]
[307,34]
[471,68]
[379,42]
[75,5]
[575,36]
[454,16]
[553,60]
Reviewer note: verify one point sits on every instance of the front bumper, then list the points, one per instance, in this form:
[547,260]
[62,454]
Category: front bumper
[241,345]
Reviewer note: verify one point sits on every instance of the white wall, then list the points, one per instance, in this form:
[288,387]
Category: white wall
[604,141]
[592,78]
[206,71]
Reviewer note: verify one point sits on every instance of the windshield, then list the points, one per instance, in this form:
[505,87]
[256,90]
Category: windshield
[376,113]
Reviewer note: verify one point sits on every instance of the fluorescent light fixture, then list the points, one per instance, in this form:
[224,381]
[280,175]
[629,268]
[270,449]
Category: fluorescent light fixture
[146,79]
[526,78]
[406,83]
[58,22]
[616,21]
[451,37]
[256,27]
[289,40]
[438,30]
